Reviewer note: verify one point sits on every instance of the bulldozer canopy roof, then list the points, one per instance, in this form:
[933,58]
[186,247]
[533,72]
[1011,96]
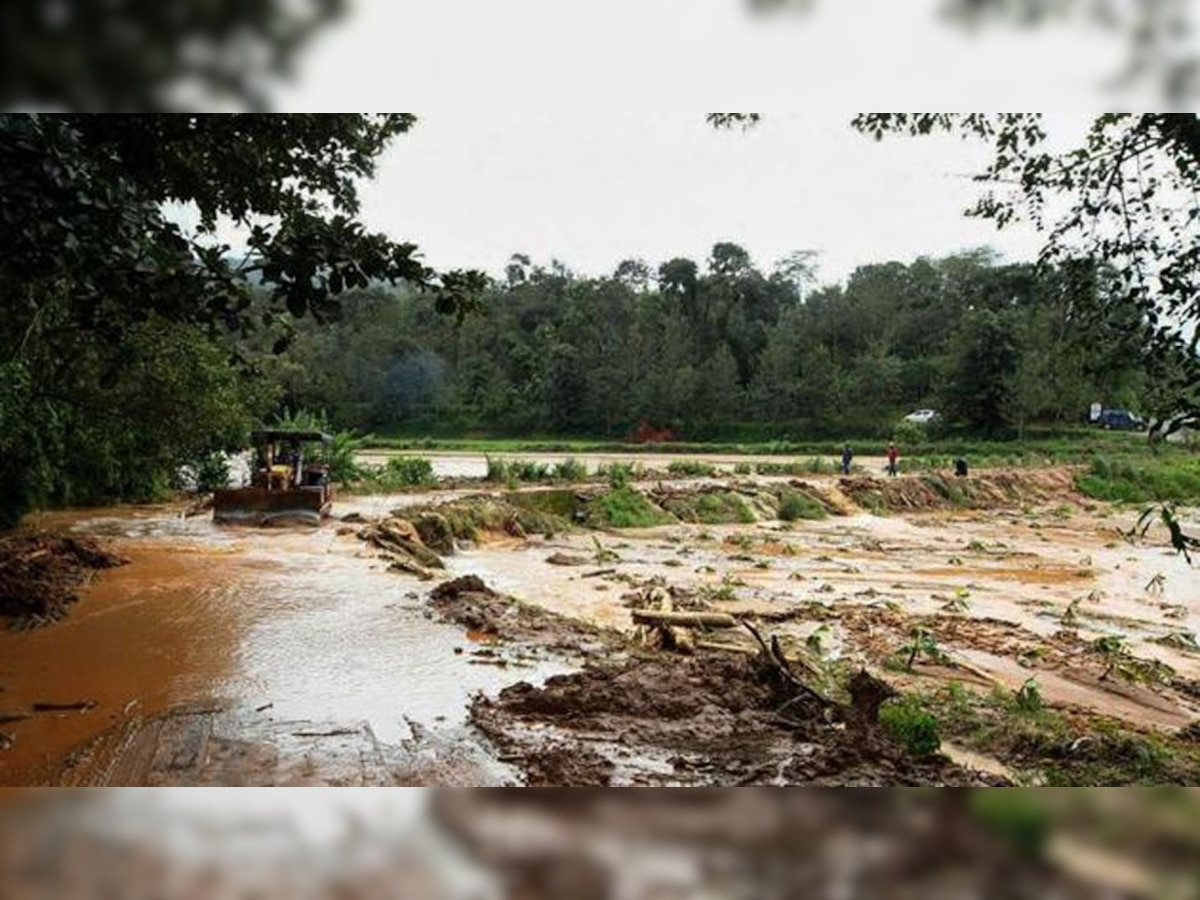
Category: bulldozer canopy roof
[274,436]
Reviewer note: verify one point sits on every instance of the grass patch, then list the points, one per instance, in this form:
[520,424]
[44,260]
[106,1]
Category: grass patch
[397,473]
[623,507]
[794,505]
[570,469]
[814,465]
[564,504]
[1055,748]
[911,725]
[1175,477]
[408,471]
[469,520]
[945,489]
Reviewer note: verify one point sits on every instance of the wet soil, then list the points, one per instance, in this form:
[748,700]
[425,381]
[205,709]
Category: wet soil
[758,843]
[709,719]
[41,574]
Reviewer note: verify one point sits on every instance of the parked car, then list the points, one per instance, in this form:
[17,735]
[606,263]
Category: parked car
[922,417]
[1120,420]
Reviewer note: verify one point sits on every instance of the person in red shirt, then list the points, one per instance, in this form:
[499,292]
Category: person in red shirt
[893,455]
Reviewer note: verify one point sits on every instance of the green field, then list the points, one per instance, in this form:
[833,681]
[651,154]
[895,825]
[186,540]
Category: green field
[1057,446]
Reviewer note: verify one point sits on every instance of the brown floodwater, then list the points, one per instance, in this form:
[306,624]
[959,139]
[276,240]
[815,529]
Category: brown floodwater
[292,626]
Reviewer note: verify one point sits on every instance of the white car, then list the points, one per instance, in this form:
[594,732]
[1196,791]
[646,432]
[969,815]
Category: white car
[922,416]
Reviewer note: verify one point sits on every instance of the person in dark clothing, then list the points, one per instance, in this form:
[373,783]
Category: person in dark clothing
[847,457]
[893,456]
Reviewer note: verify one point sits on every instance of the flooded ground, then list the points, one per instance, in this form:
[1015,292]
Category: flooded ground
[279,638]
[232,656]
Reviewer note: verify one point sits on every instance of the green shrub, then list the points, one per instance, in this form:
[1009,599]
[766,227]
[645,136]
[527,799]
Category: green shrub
[717,508]
[212,472]
[497,469]
[1029,698]
[814,465]
[1166,478]
[528,470]
[794,505]
[619,474]
[743,468]
[910,434]
[912,726]
[623,507]
[408,471]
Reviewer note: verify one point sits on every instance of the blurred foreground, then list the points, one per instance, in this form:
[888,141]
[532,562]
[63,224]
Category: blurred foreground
[707,843]
[221,54]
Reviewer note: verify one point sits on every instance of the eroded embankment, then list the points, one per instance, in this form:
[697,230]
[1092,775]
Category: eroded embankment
[41,575]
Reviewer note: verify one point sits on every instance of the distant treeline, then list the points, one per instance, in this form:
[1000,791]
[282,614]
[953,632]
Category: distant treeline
[724,349]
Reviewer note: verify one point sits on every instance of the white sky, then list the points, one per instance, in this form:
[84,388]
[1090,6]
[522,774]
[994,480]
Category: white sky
[551,140]
[591,190]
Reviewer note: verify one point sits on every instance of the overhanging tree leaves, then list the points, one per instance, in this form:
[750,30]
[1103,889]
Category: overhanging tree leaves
[144,54]
[88,252]
[1128,194]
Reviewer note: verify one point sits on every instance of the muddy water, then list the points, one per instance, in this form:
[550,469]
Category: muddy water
[268,626]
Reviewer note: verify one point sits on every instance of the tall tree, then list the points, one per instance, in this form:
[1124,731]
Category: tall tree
[88,255]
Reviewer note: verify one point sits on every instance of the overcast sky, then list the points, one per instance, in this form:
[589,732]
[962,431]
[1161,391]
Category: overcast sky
[592,189]
[567,155]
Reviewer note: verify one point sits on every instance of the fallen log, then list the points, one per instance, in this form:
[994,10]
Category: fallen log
[684,619]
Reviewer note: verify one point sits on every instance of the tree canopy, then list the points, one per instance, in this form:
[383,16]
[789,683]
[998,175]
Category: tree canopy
[724,348]
[92,262]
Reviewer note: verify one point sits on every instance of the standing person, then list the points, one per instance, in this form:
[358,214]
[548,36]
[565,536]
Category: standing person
[892,456]
[847,456]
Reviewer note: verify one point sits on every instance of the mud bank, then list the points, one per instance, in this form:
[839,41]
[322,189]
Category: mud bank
[41,574]
[710,719]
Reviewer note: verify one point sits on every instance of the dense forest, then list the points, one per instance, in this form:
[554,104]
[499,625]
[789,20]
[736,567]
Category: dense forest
[722,349]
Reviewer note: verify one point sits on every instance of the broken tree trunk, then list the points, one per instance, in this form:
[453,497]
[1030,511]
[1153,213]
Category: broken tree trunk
[684,619]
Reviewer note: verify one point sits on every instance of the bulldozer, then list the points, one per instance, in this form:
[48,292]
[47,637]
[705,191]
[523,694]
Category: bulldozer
[284,488]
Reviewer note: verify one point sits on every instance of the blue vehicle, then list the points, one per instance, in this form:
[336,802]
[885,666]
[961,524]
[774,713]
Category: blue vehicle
[1120,420]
